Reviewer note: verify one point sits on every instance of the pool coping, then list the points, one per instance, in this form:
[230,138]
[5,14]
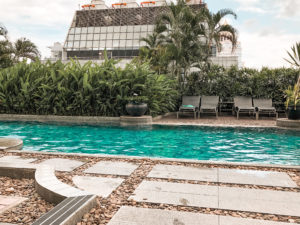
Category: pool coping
[194,161]
[98,120]
[91,120]
[102,120]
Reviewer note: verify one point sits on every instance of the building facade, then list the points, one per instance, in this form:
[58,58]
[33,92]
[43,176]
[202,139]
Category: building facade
[117,28]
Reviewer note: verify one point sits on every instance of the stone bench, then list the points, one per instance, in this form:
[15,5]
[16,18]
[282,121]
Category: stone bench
[68,212]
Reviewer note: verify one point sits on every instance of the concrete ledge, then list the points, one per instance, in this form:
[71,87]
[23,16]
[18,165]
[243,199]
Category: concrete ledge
[92,120]
[295,124]
[17,171]
[135,120]
[157,118]
[51,189]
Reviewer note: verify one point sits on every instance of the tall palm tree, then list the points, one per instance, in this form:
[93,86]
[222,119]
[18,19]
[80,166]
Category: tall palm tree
[183,38]
[25,49]
[215,30]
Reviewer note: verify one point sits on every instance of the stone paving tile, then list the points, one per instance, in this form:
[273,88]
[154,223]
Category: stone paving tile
[229,220]
[230,198]
[254,177]
[184,173]
[64,165]
[177,194]
[145,216]
[7,202]
[140,216]
[6,224]
[100,186]
[113,168]
[264,201]
[15,159]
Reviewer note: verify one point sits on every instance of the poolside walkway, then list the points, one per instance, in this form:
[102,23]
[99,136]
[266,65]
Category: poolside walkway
[221,121]
[151,191]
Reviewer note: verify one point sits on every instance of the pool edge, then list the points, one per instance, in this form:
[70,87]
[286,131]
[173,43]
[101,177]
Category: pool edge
[207,162]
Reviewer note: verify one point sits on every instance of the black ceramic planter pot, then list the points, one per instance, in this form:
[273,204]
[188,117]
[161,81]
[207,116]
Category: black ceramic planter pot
[136,109]
[294,114]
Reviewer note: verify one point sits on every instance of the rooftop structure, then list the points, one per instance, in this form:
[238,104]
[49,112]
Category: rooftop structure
[118,29]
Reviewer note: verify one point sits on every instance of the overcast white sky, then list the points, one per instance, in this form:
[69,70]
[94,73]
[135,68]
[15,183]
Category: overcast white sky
[267,28]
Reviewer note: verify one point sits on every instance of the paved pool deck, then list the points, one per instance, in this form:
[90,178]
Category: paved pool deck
[151,191]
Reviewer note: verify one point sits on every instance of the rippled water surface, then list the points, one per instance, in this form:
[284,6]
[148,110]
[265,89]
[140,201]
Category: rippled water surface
[275,146]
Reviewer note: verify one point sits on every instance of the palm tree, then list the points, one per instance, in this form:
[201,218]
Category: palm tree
[294,55]
[5,54]
[183,38]
[214,30]
[3,31]
[154,51]
[295,61]
[24,48]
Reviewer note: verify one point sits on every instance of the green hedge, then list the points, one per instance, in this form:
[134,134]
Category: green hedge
[104,90]
[89,90]
[227,83]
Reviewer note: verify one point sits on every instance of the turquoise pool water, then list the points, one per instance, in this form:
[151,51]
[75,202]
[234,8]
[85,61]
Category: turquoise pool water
[258,145]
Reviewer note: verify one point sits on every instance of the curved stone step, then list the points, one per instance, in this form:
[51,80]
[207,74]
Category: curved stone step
[51,189]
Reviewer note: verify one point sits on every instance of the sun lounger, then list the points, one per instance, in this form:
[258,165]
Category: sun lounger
[209,104]
[264,106]
[243,105]
[190,104]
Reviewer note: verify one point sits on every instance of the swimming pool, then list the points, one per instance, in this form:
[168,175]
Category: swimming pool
[256,145]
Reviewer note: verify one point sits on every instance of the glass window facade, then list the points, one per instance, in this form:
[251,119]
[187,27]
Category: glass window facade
[125,37]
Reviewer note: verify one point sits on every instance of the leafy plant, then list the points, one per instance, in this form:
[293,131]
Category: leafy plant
[227,83]
[5,54]
[293,94]
[85,90]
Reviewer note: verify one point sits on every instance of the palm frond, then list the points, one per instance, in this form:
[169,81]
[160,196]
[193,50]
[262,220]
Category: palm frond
[294,55]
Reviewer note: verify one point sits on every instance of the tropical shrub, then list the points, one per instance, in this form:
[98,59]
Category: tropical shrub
[227,83]
[86,90]
[293,94]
